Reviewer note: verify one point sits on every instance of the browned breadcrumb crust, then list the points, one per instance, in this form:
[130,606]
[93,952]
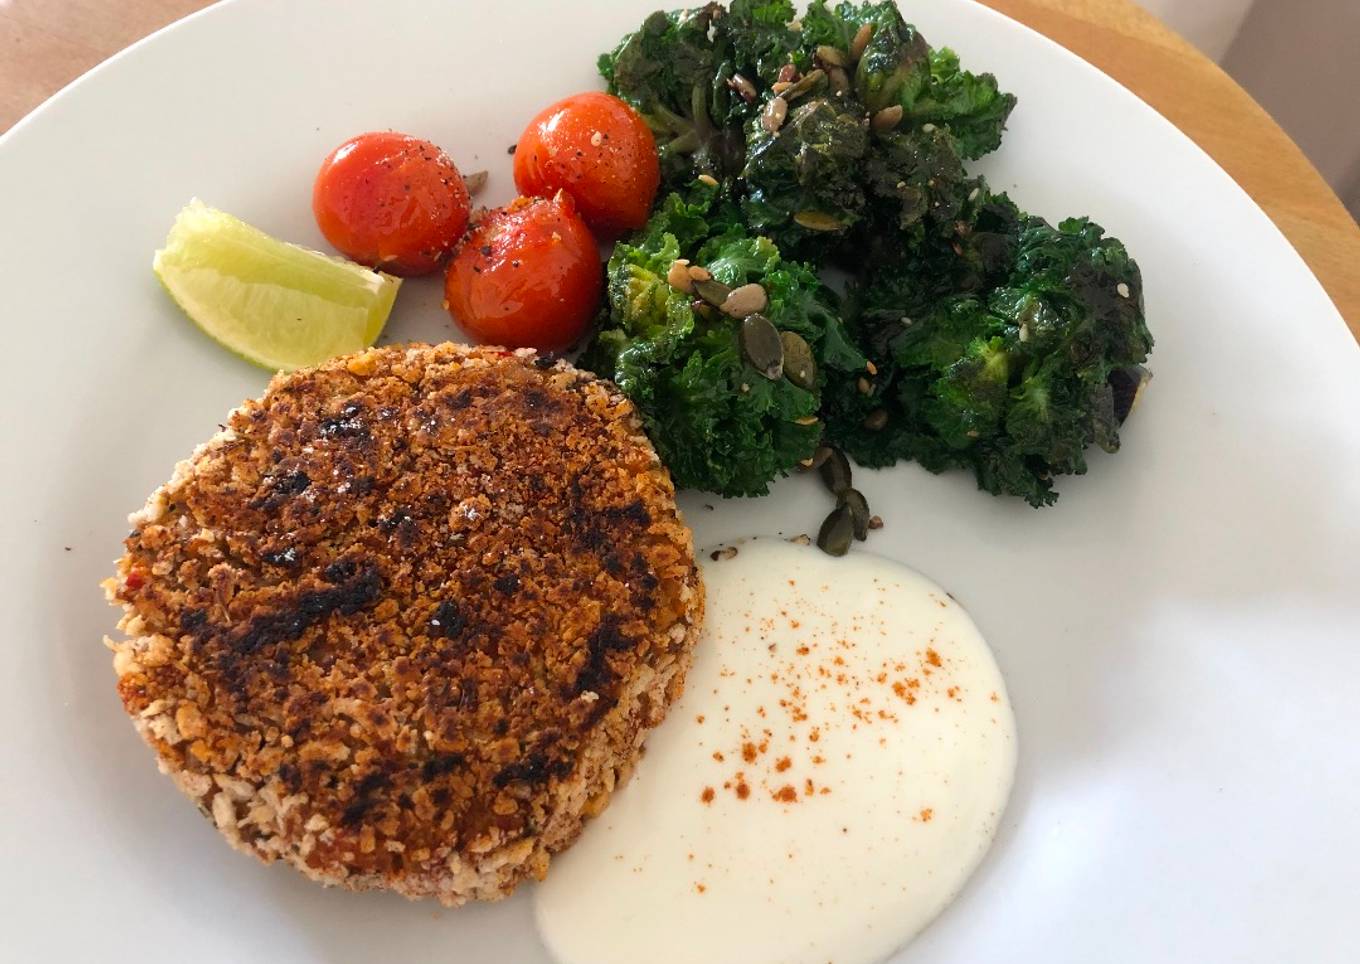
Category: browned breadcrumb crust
[406,621]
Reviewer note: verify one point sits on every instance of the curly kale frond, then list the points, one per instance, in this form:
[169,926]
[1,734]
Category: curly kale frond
[718,423]
[970,106]
[898,68]
[675,73]
[804,179]
[1014,380]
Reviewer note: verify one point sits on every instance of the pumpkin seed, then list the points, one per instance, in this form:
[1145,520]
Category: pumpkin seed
[828,54]
[817,221]
[799,365]
[887,118]
[808,81]
[876,420]
[836,533]
[474,182]
[840,80]
[772,117]
[864,385]
[835,471]
[701,308]
[806,420]
[678,277]
[862,37]
[742,86]
[709,179]
[714,292]
[815,460]
[746,300]
[787,74]
[761,345]
[1126,385]
[854,500]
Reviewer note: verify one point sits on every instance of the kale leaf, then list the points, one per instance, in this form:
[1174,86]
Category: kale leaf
[969,106]
[804,180]
[718,423]
[898,67]
[1014,378]
[704,79]
[676,76]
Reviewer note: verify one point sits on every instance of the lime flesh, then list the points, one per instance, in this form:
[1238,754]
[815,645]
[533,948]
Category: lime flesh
[276,304]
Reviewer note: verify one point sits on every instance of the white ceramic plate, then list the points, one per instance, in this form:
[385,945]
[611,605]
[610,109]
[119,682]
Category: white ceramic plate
[1180,633]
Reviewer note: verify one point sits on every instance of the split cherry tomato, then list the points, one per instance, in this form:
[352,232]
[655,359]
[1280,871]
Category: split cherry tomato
[391,201]
[597,149]
[527,276]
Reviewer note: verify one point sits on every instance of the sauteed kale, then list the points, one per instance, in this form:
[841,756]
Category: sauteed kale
[971,335]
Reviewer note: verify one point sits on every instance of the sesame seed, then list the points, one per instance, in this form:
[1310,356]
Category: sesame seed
[1123,289]
[596,139]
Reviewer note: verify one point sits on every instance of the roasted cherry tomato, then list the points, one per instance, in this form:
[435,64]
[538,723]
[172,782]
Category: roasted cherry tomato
[527,276]
[391,201]
[596,148]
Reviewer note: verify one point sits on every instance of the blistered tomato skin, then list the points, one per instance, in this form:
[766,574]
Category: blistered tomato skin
[391,201]
[597,149]
[527,276]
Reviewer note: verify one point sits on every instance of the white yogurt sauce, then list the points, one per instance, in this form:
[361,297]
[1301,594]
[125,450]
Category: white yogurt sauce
[832,775]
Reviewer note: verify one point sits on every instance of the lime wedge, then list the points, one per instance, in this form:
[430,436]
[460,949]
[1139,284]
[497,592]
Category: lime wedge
[276,304]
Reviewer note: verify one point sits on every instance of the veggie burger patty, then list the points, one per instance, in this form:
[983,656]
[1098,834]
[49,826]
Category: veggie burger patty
[406,621]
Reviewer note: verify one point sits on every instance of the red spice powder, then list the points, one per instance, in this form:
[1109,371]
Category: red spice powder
[932,657]
[707,795]
[718,756]
[743,791]
[748,752]
[700,887]
[926,814]
[782,764]
[786,794]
